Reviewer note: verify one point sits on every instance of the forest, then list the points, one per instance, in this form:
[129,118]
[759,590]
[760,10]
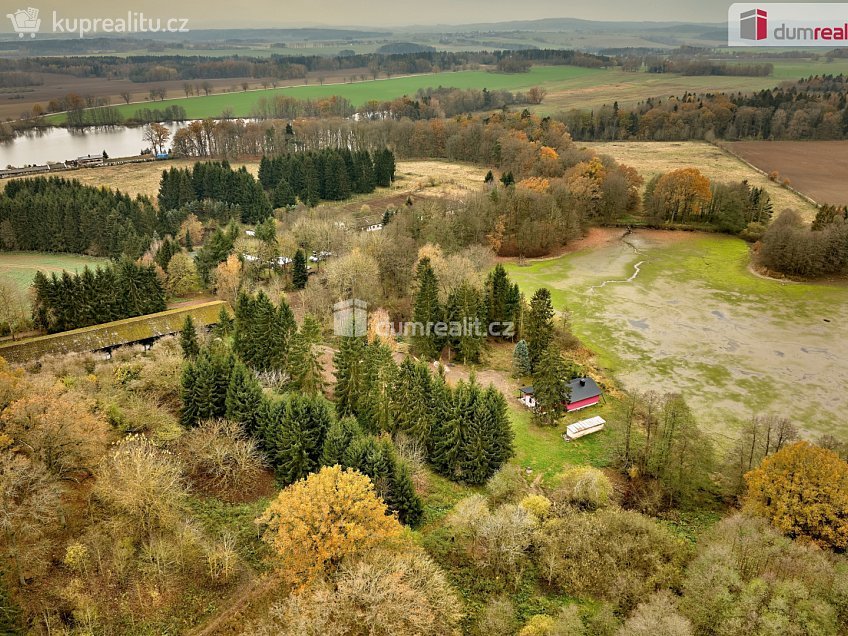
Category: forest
[811,108]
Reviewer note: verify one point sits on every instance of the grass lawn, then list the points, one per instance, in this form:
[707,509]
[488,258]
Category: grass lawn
[696,321]
[546,453]
[21,267]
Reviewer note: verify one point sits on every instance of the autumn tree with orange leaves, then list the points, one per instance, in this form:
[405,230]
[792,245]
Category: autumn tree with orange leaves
[678,196]
[803,491]
[315,523]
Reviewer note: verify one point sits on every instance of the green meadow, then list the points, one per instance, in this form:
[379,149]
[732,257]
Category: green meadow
[21,267]
[242,104]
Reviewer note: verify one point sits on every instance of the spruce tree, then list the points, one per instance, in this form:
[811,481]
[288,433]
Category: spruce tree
[502,299]
[340,436]
[244,398]
[401,496]
[305,368]
[412,411]
[502,436]
[476,453]
[283,194]
[446,432]
[540,325]
[551,388]
[466,315]
[374,405]
[225,324]
[348,361]
[521,358]
[300,274]
[427,310]
[188,339]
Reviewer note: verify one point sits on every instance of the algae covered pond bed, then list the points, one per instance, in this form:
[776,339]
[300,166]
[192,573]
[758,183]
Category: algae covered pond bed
[695,320]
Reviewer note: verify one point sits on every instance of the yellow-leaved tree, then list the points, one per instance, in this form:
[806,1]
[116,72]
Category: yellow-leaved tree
[803,491]
[318,521]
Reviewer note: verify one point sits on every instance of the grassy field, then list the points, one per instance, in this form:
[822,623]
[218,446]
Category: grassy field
[568,87]
[427,178]
[653,157]
[697,321]
[242,104]
[21,267]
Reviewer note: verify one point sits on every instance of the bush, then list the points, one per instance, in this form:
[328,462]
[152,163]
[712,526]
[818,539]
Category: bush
[507,485]
[219,458]
[585,487]
[618,556]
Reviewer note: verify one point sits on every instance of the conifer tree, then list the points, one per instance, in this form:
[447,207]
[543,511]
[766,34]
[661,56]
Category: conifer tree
[540,325]
[427,311]
[401,495]
[503,299]
[244,398]
[521,358]
[466,315]
[476,453]
[188,339]
[225,324]
[348,361]
[445,434]
[283,194]
[412,411]
[204,386]
[262,332]
[296,444]
[374,408]
[300,274]
[305,368]
[340,436]
[551,388]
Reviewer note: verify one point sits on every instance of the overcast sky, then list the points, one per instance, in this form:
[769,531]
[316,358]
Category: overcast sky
[282,13]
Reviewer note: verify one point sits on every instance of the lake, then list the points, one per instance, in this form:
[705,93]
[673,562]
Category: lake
[60,144]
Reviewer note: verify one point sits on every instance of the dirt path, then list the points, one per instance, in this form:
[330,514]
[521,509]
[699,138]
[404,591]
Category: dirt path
[237,607]
[191,302]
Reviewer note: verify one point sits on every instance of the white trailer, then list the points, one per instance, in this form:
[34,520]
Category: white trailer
[583,427]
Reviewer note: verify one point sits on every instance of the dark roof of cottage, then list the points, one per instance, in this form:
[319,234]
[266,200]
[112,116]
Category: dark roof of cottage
[583,389]
[526,390]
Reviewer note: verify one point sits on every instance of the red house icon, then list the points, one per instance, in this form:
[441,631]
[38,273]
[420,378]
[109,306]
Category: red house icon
[753,25]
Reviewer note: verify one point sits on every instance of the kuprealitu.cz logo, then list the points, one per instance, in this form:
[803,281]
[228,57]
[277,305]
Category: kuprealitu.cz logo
[27,22]
[787,24]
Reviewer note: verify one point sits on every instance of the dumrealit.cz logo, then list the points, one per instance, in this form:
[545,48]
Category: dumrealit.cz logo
[27,22]
[787,24]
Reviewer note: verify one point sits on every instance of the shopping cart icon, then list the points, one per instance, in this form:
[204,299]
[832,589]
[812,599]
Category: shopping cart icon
[25,21]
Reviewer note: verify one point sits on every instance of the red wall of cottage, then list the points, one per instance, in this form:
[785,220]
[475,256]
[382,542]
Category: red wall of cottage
[583,403]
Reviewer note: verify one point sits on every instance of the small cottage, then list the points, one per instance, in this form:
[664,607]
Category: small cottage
[584,392]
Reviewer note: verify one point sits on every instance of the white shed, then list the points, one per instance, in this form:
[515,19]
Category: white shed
[583,427]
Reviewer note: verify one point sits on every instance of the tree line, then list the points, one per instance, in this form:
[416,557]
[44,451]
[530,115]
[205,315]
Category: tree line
[51,214]
[328,174]
[216,181]
[113,292]
[791,247]
[811,108]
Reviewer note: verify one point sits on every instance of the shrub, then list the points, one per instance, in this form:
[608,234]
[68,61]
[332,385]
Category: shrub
[618,556]
[585,487]
[218,457]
